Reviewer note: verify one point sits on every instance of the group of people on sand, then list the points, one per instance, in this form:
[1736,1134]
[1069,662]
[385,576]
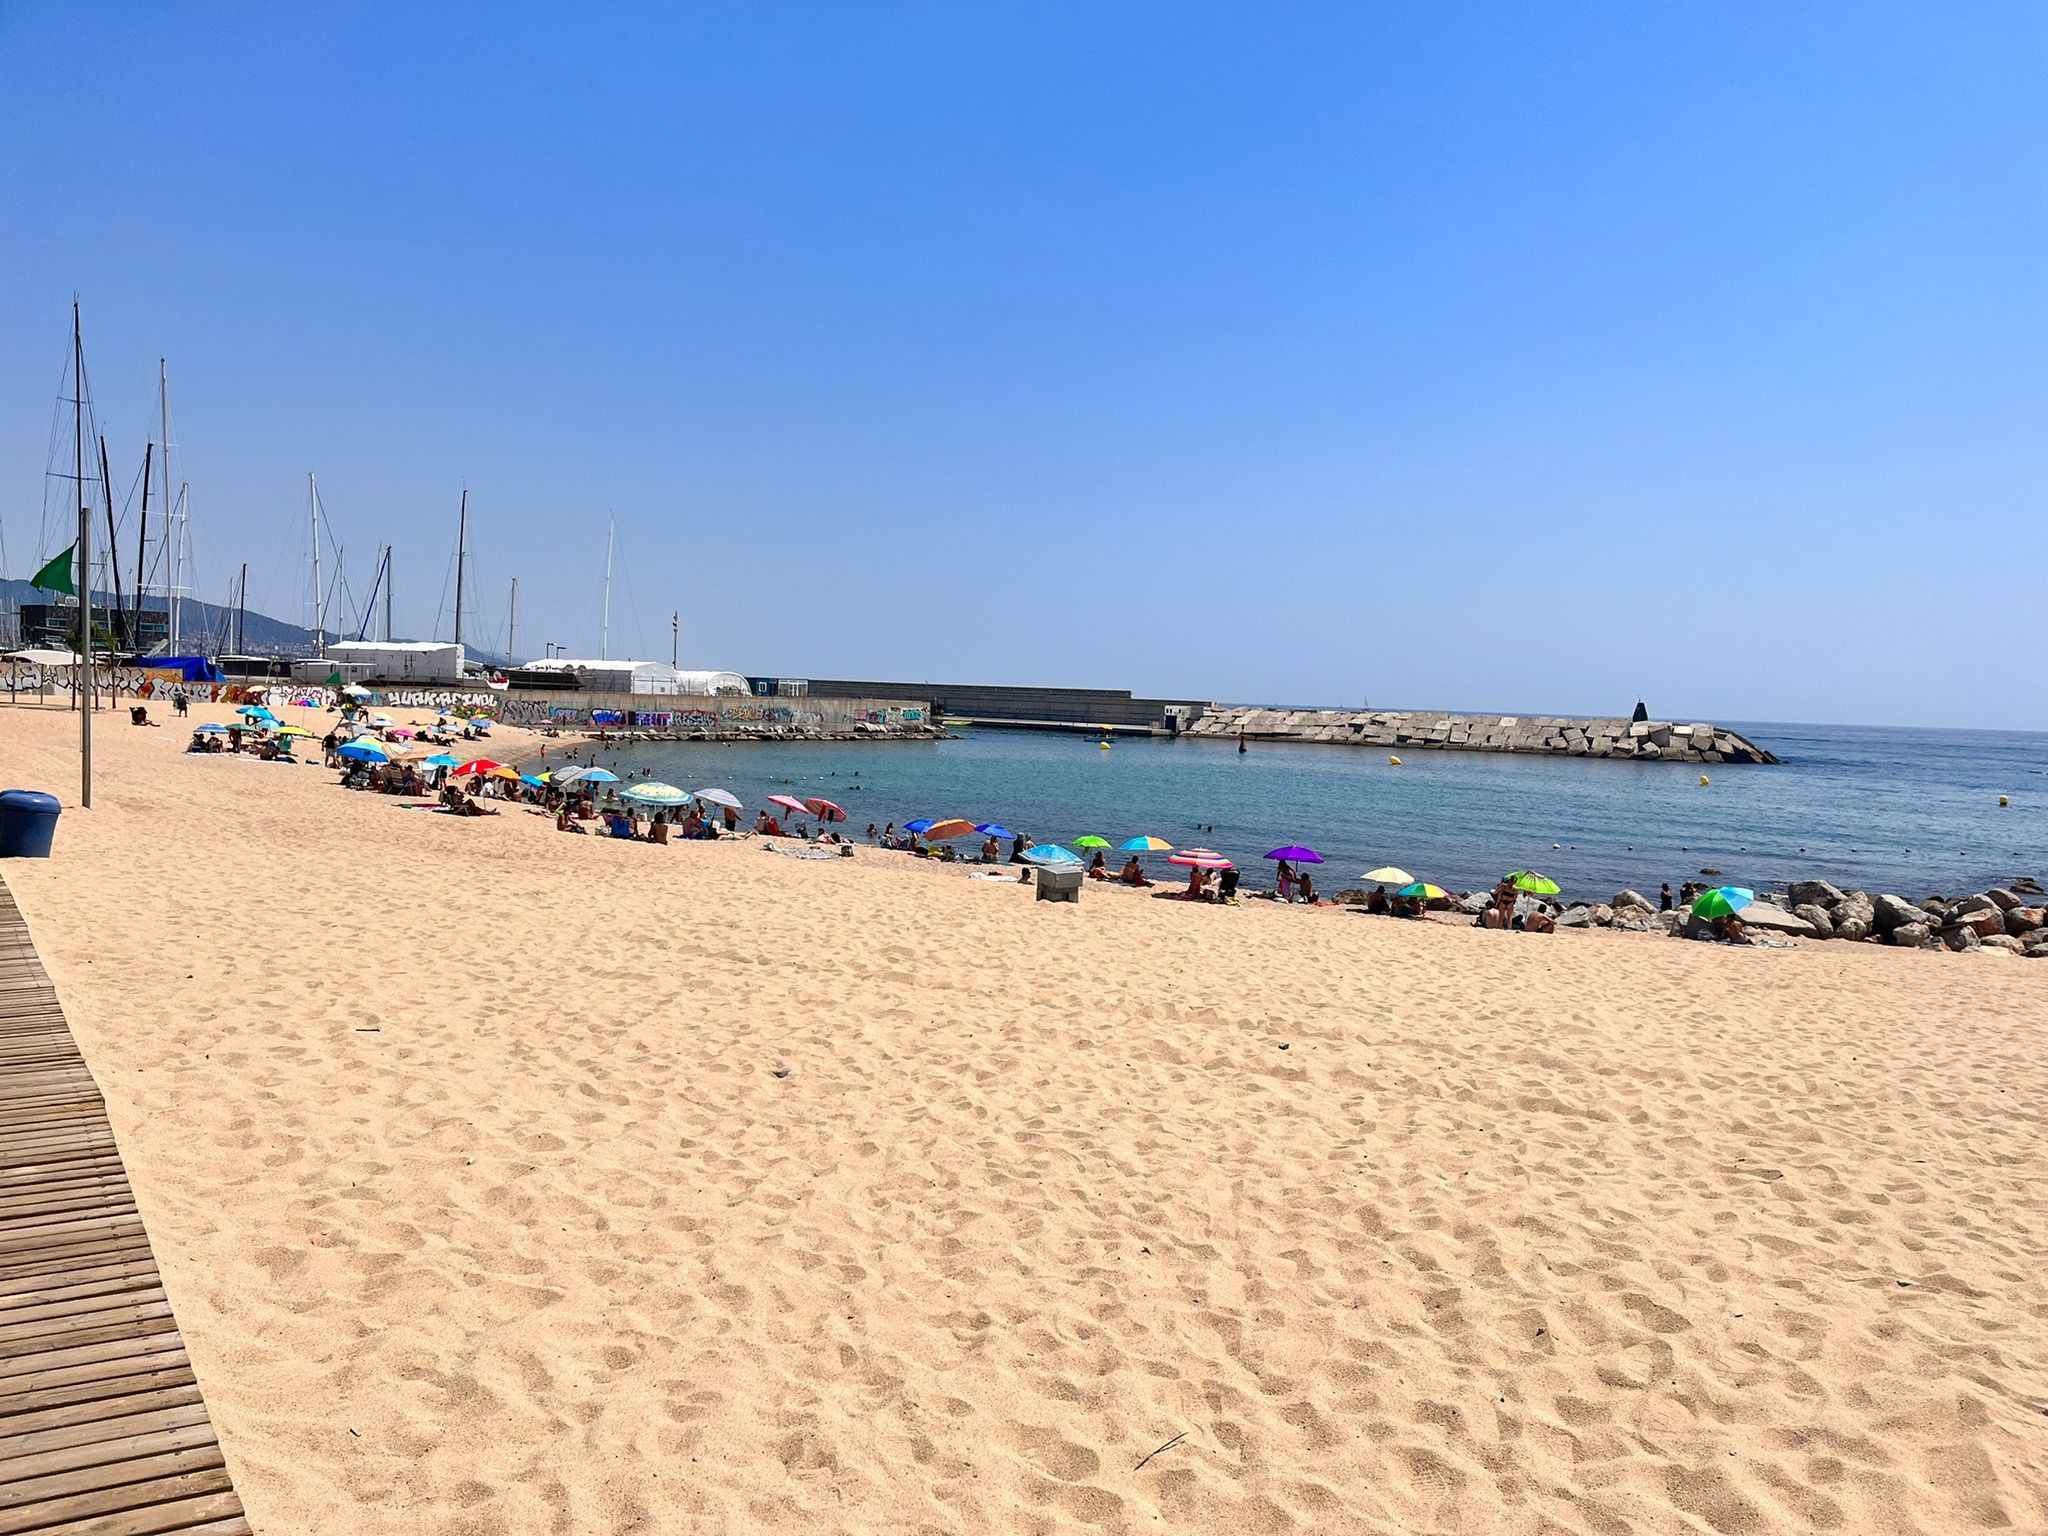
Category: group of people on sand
[1508,908]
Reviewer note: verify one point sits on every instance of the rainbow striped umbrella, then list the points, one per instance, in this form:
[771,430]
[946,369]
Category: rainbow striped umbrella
[1201,858]
[1145,845]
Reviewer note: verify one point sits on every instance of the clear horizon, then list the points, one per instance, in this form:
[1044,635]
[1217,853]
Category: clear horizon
[1690,356]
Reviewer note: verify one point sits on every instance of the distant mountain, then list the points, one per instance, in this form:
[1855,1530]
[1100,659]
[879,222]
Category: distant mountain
[208,627]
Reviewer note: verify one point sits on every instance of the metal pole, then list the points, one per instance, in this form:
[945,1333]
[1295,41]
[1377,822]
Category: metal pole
[604,649]
[319,597]
[163,395]
[461,548]
[84,690]
[390,575]
[512,624]
[241,607]
[675,636]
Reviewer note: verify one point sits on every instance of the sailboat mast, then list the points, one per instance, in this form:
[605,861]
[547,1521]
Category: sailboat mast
[163,400]
[512,623]
[241,606]
[113,550]
[141,546]
[461,551]
[319,596]
[390,575]
[604,650]
[82,694]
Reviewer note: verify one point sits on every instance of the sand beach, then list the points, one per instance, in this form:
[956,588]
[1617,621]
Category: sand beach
[511,1182]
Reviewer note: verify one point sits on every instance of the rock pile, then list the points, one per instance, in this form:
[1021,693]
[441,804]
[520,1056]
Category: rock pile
[2013,918]
[1421,730]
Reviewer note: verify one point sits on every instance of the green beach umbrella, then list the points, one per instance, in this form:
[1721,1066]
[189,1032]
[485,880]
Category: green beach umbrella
[1722,901]
[1423,889]
[1535,884]
[1091,841]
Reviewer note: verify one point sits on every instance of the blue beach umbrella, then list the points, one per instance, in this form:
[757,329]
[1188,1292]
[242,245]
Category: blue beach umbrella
[996,829]
[919,827]
[441,760]
[1051,855]
[1722,901]
[587,776]
[365,752]
[1145,845]
[211,730]
[526,778]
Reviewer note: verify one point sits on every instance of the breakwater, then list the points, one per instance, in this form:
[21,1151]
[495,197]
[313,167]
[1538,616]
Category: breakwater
[720,717]
[1547,735]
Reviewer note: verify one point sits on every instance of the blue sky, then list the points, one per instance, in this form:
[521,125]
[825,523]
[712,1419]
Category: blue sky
[1454,356]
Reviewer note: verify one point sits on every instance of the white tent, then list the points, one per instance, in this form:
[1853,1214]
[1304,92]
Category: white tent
[44,658]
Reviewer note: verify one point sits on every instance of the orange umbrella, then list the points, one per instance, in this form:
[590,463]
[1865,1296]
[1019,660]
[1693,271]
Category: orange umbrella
[945,831]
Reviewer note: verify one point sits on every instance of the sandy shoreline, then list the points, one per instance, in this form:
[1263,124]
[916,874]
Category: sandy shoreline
[483,1208]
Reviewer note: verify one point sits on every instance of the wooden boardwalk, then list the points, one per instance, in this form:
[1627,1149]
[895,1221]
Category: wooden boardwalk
[102,1431]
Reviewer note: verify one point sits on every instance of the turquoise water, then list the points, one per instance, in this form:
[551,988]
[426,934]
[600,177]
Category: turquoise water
[1893,810]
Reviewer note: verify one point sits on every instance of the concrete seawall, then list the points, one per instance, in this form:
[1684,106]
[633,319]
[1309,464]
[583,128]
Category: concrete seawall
[1422,730]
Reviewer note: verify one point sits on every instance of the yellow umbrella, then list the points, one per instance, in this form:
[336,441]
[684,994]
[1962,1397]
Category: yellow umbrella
[1145,845]
[502,772]
[1387,874]
[1425,890]
[291,730]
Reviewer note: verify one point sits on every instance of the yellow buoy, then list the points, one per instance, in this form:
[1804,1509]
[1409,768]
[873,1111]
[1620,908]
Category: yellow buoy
[2002,800]
[1705,780]
[1102,744]
[1395,761]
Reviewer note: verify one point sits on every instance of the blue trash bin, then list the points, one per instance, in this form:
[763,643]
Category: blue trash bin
[28,823]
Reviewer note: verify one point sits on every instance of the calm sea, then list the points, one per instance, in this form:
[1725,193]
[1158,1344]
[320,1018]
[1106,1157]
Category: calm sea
[1906,811]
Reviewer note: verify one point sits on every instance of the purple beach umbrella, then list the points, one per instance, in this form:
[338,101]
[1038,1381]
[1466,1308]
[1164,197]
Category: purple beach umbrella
[1293,853]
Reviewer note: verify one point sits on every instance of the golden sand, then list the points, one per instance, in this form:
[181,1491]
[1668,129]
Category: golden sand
[511,1182]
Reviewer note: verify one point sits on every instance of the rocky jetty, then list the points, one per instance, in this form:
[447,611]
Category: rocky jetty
[2013,918]
[1558,736]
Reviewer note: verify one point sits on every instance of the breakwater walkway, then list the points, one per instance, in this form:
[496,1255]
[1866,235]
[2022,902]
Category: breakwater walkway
[1423,730]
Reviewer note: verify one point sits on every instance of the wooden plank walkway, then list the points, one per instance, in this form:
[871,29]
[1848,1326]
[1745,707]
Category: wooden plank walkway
[102,1431]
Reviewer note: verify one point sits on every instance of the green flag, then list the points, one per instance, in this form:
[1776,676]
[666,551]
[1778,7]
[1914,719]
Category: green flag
[56,576]
[334,678]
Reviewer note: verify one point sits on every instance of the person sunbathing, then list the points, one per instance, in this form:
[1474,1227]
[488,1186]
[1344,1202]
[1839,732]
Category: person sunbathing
[1133,872]
[1490,916]
[563,823]
[1376,900]
[1098,867]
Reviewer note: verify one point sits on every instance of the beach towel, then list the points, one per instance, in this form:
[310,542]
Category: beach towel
[802,853]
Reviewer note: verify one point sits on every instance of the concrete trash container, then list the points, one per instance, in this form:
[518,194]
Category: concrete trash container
[28,823]
[1059,884]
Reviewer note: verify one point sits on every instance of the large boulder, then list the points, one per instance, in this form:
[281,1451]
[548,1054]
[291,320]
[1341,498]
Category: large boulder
[1935,906]
[1761,914]
[2023,920]
[1601,913]
[1817,893]
[1910,935]
[1817,918]
[1853,917]
[2006,900]
[2010,946]
[1575,917]
[1962,937]
[1980,904]
[1985,922]
[1632,899]
[1895,912]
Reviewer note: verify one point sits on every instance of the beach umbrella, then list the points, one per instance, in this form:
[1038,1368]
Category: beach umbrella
[439,760]
[291,730]
[1387,874]
[476,765]
[365,752]
[724,797]
[1535,884]
[587,776]
[917,828]
[1091,841]
[402,734]
[382,722]
[790,803]
[356,690]
[211,730]
[1294,853]
[255,712]
[1425,890]
[945,831]
[1145,845]
[1722,901]
[527,778]
[657,794]
[502,772]
[1051,854]
[1200,858]
[824,809]
[996,829]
